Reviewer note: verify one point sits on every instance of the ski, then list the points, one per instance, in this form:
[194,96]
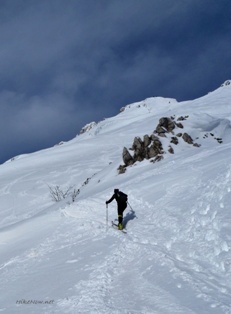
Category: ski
[115,226]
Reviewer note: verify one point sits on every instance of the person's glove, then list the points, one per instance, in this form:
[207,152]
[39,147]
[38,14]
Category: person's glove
[106,202]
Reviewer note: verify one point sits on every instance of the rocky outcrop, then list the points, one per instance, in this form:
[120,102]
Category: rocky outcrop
[166,125]
[150,147]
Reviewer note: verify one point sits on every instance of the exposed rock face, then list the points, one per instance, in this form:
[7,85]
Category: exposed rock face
[174,140]
[151,146]
[156,139]
[127,158]
[187,138]
[171,150]
[121,169]
[147,140]
[180,125]
[155,148]
[138,147]
[182,118]
[166,125]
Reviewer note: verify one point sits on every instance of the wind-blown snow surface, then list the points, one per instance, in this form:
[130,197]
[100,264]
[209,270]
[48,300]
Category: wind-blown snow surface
[175,258]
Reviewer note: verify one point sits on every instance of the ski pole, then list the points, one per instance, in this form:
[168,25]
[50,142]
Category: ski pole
[130,206]
[106,216]
[132,210]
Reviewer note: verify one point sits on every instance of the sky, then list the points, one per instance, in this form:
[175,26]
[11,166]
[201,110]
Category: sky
[67,63]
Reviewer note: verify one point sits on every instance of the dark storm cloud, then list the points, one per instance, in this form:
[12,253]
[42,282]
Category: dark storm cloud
[66,63]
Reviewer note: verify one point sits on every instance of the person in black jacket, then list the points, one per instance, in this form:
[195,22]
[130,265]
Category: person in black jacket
[121,199]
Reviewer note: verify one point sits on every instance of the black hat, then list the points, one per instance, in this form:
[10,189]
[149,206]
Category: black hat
[116,190]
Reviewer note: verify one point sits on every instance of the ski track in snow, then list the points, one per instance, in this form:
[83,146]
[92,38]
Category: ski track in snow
[106,287]
[105,291]
[175,257]
[104,284]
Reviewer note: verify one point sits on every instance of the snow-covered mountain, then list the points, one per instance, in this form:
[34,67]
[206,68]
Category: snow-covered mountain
[63,257]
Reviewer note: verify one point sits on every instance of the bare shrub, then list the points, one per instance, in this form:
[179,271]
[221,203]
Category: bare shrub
[57,194]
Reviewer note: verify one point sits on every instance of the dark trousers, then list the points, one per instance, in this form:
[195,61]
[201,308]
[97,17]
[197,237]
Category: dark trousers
[121,208]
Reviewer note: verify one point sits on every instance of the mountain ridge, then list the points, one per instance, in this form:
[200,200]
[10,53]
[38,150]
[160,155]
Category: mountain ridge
[63,257]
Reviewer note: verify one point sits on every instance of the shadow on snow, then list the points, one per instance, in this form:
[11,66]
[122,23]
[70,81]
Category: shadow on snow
[129,216]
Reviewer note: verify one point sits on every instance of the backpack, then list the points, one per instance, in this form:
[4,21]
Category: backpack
[123,197]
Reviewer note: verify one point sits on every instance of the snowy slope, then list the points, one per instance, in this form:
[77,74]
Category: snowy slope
[61,257]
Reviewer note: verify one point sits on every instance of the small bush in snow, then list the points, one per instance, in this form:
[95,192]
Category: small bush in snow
[57,194]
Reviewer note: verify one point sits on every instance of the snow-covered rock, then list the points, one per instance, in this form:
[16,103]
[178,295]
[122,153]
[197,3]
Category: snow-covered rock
[226,83]
[88,127]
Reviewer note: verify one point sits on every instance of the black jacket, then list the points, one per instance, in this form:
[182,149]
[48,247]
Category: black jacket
[117,198]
